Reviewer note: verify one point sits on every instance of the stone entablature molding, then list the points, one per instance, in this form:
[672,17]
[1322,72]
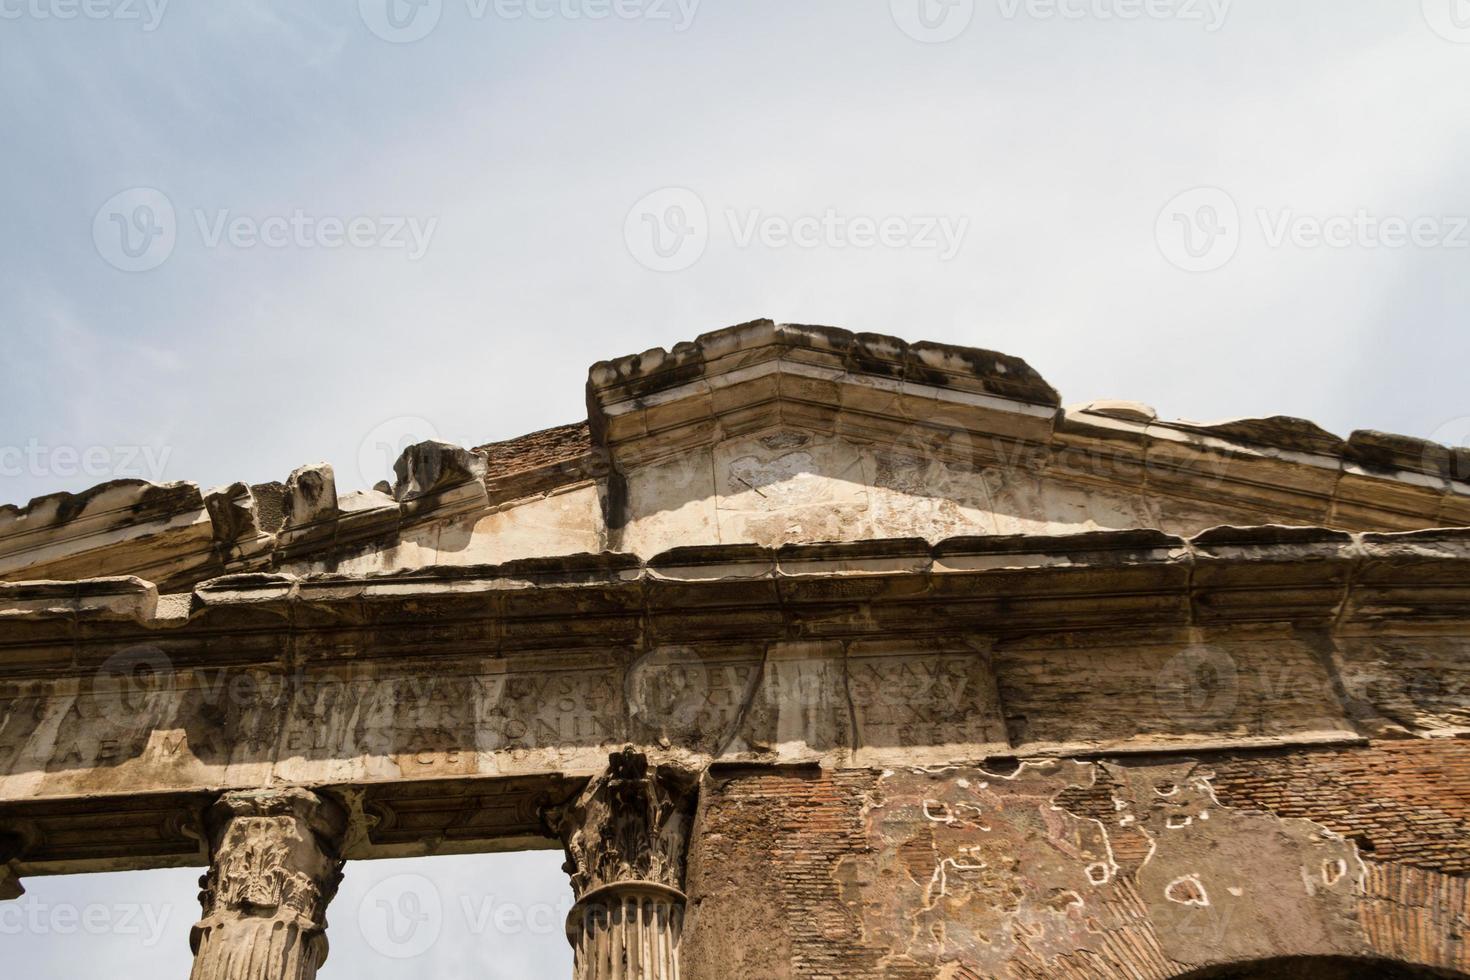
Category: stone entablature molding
[868,654]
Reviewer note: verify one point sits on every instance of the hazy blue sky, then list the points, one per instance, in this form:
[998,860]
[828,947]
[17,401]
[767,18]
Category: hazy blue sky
[353,224]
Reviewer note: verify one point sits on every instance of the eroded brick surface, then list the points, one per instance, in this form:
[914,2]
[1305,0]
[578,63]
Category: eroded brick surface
[1060,869]
[1405,802]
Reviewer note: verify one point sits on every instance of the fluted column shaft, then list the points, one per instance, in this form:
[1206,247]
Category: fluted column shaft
[627,931]
[626,837]
[275,865]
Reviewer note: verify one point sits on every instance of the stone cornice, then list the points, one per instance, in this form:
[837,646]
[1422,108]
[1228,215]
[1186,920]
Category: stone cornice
[982,409]
[966,406]
[1004,586]
[720,351]
[122,527]
[756,375]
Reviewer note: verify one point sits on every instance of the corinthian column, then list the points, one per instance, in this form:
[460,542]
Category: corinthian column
[274,866]
[626,836]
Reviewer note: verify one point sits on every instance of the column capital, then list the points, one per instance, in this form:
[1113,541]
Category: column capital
[626,836]
[275,864]
[274,851]
[321,814]
[631,824]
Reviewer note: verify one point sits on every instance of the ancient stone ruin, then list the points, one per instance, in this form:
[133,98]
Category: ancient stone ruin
[822,655]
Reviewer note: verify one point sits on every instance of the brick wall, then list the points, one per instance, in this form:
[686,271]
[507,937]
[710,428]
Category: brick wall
[773,860]
[1404,802]
[768,843]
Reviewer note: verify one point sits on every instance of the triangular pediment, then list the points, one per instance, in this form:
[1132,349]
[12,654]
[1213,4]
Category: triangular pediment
[770,433]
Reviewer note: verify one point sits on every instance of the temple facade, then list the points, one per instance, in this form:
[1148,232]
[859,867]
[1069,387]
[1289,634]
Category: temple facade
[820,654]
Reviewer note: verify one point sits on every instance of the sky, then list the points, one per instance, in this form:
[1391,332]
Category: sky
[244,237]
[496,916]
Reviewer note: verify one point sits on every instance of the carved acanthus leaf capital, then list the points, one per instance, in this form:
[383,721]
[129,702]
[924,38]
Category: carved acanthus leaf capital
[630,824]
[275,853]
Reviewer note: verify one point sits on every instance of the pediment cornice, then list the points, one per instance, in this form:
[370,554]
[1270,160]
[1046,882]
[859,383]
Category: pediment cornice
[977,410]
